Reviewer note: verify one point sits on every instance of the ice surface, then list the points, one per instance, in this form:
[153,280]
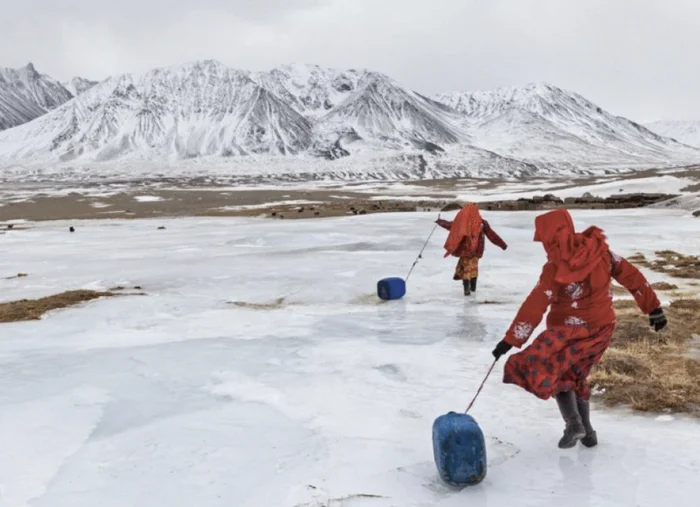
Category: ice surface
[192,395]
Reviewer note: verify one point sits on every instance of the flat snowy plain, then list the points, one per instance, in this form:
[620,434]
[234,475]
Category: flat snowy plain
[181,398]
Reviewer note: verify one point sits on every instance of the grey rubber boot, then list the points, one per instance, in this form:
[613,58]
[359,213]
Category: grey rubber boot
[584,409]
[574,430]
[472,283]
[467,288]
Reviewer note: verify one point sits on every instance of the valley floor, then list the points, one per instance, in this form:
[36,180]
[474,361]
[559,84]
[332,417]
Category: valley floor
[163,198]
[261,370]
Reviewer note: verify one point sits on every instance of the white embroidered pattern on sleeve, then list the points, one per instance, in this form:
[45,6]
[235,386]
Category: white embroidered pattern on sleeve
[522,331]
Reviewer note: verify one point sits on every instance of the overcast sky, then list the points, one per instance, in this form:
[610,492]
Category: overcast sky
[636,58]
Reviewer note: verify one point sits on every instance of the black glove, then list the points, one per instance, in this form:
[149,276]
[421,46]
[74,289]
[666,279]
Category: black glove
[501,348]
[657,320]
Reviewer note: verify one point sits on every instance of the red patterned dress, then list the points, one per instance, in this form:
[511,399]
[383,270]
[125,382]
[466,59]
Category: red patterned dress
[579,326]
[468,263]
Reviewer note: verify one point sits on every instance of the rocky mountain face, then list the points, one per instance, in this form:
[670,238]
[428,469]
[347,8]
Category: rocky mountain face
[78,85]
[25,95]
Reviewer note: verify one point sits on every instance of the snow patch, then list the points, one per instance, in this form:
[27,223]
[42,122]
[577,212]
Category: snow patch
[148,198]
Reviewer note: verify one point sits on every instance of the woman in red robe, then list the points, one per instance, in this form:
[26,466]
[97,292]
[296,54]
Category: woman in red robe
[466,241]
[575,285]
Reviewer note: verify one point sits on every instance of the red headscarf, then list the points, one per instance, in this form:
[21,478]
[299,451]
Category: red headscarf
[465,230]
[576,255]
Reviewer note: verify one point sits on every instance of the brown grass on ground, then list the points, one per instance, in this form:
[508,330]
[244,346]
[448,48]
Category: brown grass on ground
[648,371]
[619,290]
[664,286]
[671,263]
[625,304]
[638,259]
[677,265]
[33,309]
[277,303]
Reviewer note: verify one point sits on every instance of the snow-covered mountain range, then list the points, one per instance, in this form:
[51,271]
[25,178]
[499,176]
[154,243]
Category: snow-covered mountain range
[306,119]
[25,95]
[541,123]
[177,113]
[78,85]
[683,131]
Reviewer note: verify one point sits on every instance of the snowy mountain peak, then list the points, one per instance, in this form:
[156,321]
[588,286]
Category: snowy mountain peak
[30,70]
[382,111]
[540,121]
[190,110]
[26,94]
[78,85]
[309,89]
[541,98]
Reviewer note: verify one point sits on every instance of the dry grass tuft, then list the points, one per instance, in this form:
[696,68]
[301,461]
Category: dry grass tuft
[619,290]
[18,275]
[277,303]
[670,263]
[33,309]
[625,304]
[639,259]
[677,265]
[664,286]
[368,298]
[624,364]
[648,371]
[686,304]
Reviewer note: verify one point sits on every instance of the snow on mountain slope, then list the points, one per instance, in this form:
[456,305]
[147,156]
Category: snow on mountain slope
[78,85]
[353,124]
[527,136]
[170,114]
[389,115]
[310,89]
[686,132]
[191,110]
[354,105]
[25,94]
[543,123]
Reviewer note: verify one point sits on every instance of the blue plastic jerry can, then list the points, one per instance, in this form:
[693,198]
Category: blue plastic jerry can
[391,288]
[459,449]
